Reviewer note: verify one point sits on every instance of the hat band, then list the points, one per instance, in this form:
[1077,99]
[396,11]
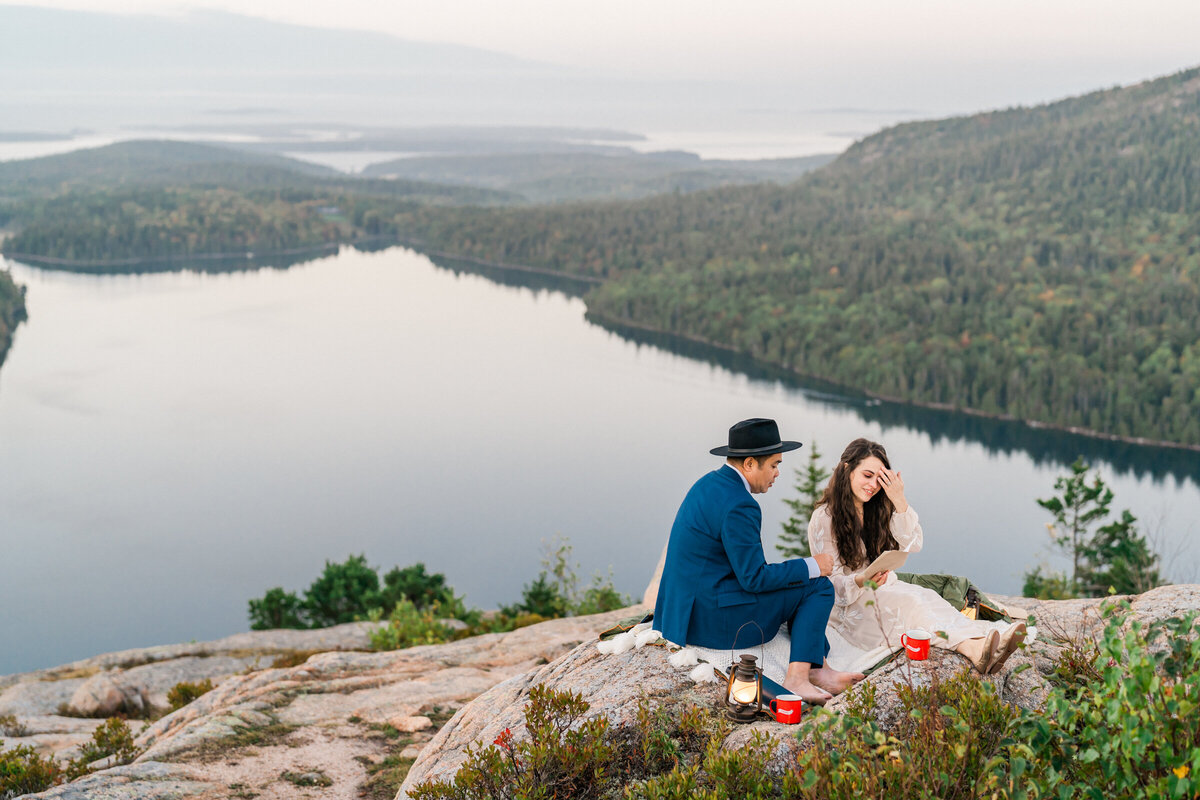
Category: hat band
[737,451]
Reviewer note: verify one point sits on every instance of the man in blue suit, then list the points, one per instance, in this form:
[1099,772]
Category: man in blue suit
[715,577]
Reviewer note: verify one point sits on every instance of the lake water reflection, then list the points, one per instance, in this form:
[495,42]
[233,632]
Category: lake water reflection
[176,443]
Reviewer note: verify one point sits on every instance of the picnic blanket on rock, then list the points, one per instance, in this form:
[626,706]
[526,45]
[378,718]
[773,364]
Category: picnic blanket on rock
[774,654]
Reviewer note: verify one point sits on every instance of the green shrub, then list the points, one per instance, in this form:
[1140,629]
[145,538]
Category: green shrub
[415,584]
[950,742]
[542,597]
[343,593]
[555,592]
[563,755]
[23,771]
[1133,732]
[601,596]
[276,609]
[408,626]
[1047,586]
[113,738]
[351,591]
[185,692]
[1121,559]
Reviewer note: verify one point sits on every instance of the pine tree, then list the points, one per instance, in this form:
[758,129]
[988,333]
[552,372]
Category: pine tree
[810,483]
[1112,556]
[1080,506]
[1119,558]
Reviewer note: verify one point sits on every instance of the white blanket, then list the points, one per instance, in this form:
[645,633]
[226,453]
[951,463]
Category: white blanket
[773,656]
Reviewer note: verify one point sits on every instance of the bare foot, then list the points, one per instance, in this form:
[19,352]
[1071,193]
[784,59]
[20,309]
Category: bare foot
[807,692]
[834,681]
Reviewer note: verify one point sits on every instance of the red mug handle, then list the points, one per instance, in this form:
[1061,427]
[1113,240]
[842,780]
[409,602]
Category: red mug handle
[904,640]
[771,705]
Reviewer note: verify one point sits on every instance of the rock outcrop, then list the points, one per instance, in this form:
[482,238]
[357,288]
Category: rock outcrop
[613,685]
[280,719]
[329,721]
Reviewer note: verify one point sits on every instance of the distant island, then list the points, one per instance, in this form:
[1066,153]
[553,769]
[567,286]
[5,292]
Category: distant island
[1038,264]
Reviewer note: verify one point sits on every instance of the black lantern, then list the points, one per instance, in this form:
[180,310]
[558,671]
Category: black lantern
[743,693]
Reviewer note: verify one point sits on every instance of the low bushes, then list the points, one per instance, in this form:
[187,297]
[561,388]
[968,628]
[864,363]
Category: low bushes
[23,771]
[415,604]
[562,754]
[185,692]
[1131,730]
[114,739]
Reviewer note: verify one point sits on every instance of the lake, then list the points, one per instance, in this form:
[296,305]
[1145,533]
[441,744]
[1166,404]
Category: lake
[177,443]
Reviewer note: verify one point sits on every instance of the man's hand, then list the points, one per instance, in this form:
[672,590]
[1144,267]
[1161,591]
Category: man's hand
[825,563]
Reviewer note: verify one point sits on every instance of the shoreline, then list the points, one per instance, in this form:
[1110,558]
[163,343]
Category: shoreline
[1036,424]
[90,266]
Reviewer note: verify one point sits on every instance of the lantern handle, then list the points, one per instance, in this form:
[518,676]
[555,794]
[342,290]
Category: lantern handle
[762,644]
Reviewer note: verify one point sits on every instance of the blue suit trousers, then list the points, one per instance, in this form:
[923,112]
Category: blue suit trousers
[804,608]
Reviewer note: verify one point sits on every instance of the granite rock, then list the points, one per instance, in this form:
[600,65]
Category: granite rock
[324,715]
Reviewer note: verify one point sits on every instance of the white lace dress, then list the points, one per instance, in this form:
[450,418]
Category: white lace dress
[898,606]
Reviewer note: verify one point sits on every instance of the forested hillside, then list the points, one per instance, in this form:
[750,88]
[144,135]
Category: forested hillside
[148,200]
[1041,263]
[557,177]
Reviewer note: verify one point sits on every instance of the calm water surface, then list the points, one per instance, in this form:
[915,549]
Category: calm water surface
[175,444]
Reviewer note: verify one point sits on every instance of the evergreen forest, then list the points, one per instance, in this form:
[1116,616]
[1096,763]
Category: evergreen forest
[1034,263]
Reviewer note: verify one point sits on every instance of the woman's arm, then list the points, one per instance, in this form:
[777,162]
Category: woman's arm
[907,530]
[820,540]
[904,525]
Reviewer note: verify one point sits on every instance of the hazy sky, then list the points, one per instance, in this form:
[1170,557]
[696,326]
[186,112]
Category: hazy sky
[656,66]
[1108,40]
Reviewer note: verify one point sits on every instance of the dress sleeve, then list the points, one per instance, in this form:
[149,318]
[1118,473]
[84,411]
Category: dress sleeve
[820,540]
[907,530]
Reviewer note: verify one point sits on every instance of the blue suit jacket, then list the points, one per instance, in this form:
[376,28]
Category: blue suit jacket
[715,562]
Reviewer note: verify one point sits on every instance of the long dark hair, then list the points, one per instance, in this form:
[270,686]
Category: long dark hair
[859,542]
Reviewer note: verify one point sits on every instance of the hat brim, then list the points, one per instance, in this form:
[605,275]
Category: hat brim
[771,449]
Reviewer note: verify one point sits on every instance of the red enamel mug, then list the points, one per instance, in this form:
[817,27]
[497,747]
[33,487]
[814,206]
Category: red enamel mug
[916,644]
[786,709]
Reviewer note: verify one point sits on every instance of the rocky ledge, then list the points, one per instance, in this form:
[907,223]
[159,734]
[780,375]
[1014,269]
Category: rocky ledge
[337,724]
[293,713]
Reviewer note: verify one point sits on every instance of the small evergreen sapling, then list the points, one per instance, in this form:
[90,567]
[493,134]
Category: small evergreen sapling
[810,484]
[1104,557]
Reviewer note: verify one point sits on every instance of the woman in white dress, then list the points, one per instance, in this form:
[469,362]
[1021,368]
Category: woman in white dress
[864,513]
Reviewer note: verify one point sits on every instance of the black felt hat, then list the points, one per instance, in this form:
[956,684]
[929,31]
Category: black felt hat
[754,437]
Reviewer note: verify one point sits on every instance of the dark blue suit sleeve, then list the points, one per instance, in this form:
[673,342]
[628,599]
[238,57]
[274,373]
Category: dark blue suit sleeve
[741,535]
